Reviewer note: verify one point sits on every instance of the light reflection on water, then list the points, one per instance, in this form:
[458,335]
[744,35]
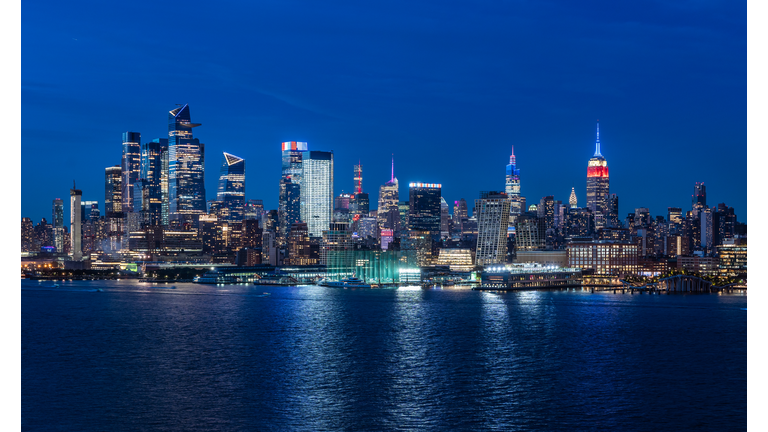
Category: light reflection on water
[311,358]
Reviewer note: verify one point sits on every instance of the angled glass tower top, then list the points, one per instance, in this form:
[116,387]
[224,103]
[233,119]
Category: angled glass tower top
[179,122]
[186,167]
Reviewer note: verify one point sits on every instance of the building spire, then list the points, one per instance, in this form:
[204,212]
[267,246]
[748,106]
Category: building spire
[597,143]
[393,168]
[572,199]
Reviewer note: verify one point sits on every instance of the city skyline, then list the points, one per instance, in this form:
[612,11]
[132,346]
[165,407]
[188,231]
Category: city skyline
[438,121]
[530,200]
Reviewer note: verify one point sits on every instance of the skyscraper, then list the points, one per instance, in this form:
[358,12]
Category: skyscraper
[597,181]
[460,214]
[675,215]
[75,223]
[113,190]
[445,218]
[292,153]
[28,235]
[613,211]
[492,222]
[186,168]
[291,172]
[360,206]
[424,208]
[151,180]
[131,167]
[699,197]
[113,207]
[317,191]
[231,191]
[58,224]
[388,214]
[289,211]
[572,200]
[512,188]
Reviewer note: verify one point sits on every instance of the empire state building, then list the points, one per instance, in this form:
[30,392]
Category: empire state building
[597,182]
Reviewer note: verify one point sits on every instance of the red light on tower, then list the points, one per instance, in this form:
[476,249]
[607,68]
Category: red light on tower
[359,177]
[597,171]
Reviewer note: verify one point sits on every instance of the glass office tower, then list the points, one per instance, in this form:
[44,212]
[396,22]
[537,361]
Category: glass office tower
[231,191]
[289,211]
[113,190]
[131,167]
[424,208]
[151,178]
[290,184]
[317,191]
[186,168]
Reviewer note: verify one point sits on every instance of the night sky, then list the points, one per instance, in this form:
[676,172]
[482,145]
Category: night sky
[448,88]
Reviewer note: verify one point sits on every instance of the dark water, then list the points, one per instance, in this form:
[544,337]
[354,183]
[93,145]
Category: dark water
[312,358]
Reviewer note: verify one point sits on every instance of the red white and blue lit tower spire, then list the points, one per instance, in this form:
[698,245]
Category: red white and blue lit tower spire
[598,183]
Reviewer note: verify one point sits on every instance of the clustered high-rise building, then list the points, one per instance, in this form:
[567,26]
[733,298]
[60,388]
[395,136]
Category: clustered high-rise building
[155,208]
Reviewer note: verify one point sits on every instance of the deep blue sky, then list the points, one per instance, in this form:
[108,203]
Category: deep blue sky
[448,88]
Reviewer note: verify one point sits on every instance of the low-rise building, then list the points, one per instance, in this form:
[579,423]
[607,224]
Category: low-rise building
[703,265]
[457,259]
[604,257]
[733,257]
[546,258]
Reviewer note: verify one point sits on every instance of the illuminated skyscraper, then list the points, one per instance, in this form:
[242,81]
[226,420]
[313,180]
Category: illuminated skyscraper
[388,214]
[75,226]
[113,207]
[231,191]
[699,198]
[317,191]
[360,206]
[675,215]
[613,211]
[113,190]
[186,168]
[131,167]
[445,218]
[512,188]
[460,214]
[597,182]
[291,172]
[572,200]
[290,206]
[151,181]
[58,224]
[424,208]
[492,223]
[28,235]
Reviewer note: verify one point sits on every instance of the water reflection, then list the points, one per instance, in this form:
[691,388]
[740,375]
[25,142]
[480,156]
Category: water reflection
[311,358]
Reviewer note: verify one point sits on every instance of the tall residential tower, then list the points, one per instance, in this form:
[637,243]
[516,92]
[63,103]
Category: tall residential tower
[317,191]
[75,223]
